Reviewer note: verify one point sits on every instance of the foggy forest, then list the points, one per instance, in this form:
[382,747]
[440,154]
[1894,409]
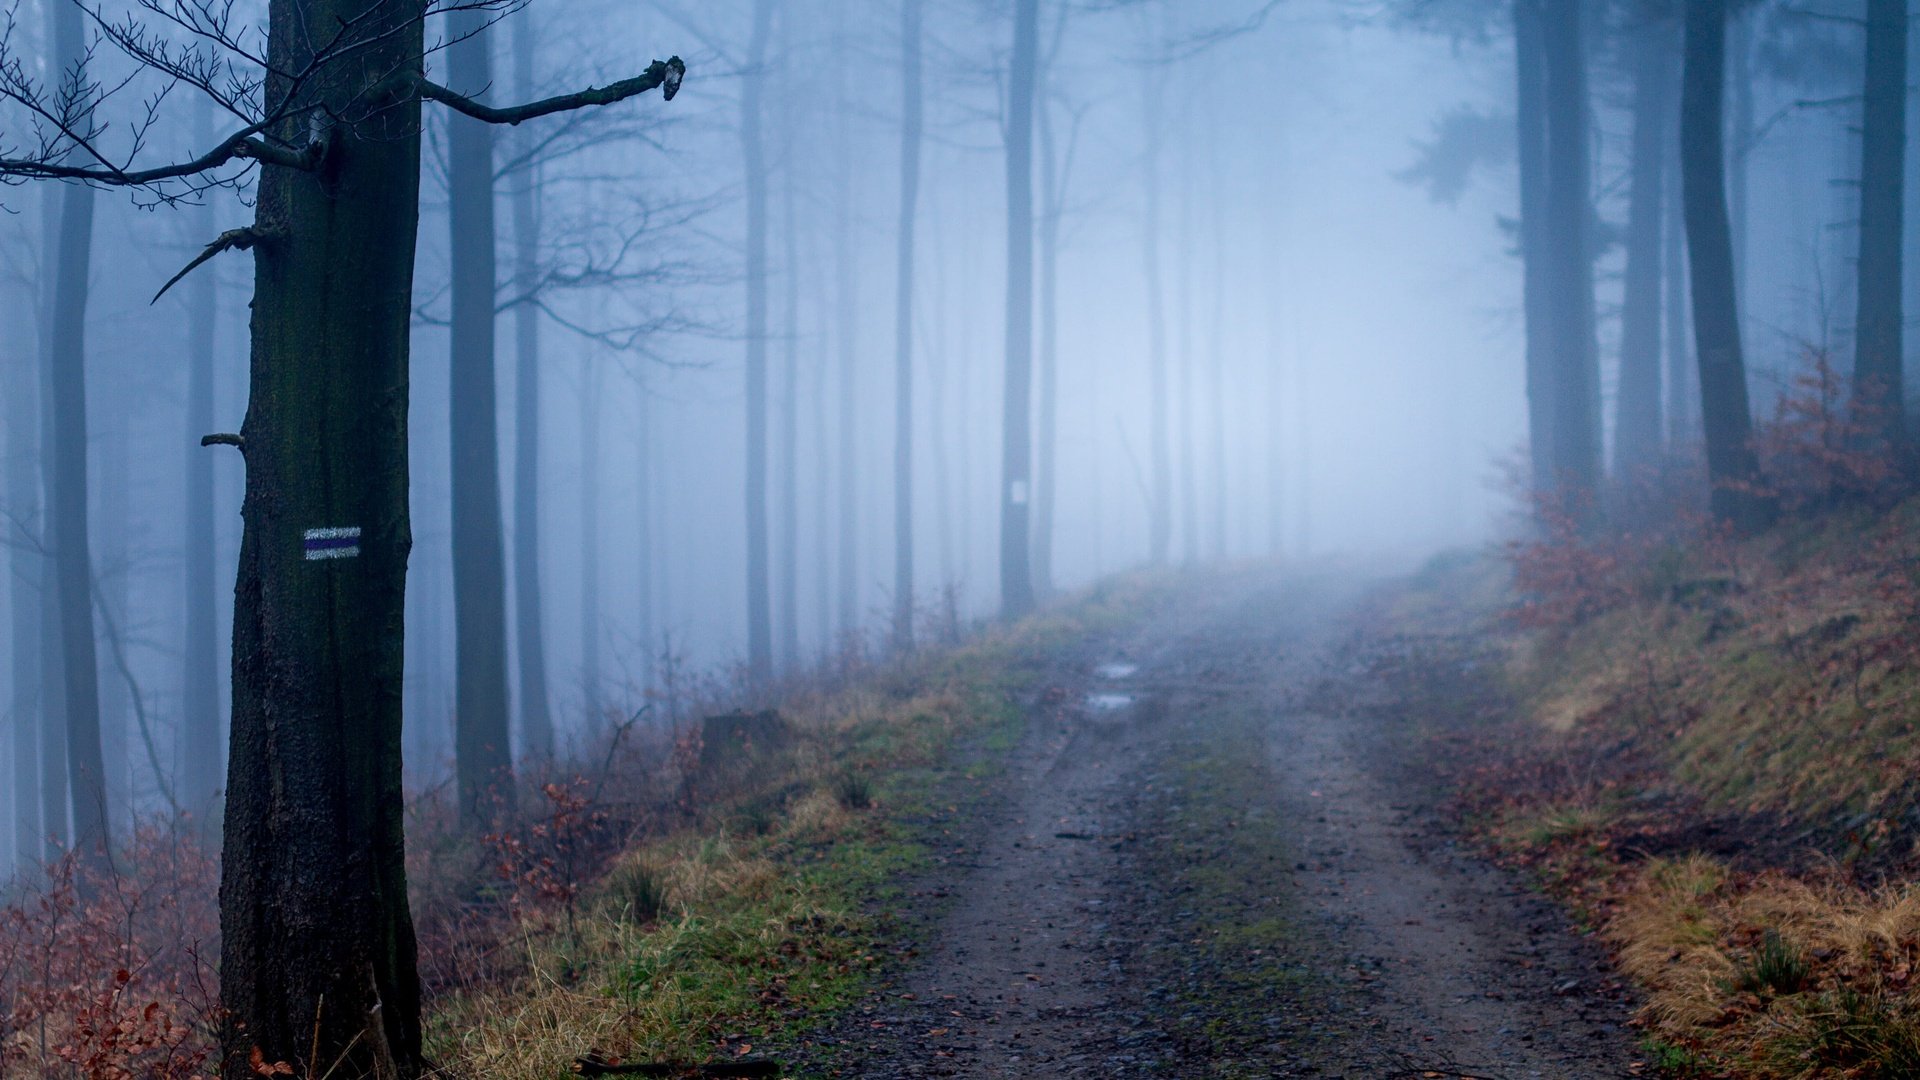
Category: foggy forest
[981,538]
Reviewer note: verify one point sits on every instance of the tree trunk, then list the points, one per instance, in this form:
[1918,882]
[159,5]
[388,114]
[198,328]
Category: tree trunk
[67,498]
[643,541]
[1879,388]
[910,122]
[1531,109]
[846,322]
[203,748]
[318,964]
[26,572]
[536,709]
[1217,368]
[1187,457]
[1569,303]
[1016,582]
[483,747]
[1046,450]
[1731,465]
[788,540]
[753,150]
[1740,151]
[590,494]
[1638,426]
[1683,394]
[1160,513]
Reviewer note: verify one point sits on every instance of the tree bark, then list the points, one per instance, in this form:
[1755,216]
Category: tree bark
[753,152]
[1638,426]
[1569,303]
[1879,387]
[72,558]
[483,748]
[203,747]
[1016,581]
[318,964]
[1731,464]
[536,708]
[1531,110]
[911,116]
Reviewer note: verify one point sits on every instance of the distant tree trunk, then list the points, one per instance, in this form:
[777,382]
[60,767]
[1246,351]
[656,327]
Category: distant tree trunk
[1016,581]
[20,403]
[1217,369]
[536,709]
[788,540]
[1187,457]
[203,744]
[753,150]
[1683,394]
[1568,206]
[483,747]
[1638,426]
[1160,513]
[846,324]
[591,676]
[1531,108]
[1731,465]
[1879,386]
[72,558]
[910,124]
[313,896]
[1740,151]
[643,545]
[1046,449]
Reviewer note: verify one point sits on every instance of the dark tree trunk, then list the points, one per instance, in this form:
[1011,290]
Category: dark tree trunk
[1740,138]
[536,709]
[753,151]
[1683,393]
[313,897]
[1160,451]
[1016,581]
[483,748]
[1569,303]
[787,543]
[26,573]
[1531,108]
[203,746]
[1047,412]
[1724,409]
[910,123]
[67,497]
[1638,426]
[1879,386]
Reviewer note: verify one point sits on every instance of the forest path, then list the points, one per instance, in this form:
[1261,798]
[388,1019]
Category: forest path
[1195,871]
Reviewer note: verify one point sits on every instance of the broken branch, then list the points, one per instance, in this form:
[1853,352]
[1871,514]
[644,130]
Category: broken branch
[664,74]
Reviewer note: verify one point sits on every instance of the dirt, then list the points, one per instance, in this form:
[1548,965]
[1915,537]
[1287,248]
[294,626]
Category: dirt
[1196,865]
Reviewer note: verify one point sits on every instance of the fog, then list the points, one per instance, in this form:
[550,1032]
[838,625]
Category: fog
[1281,193]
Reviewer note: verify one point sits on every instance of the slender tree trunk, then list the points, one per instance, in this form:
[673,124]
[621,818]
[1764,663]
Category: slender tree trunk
[1638,426]
[788,543]
[55,805]
[910,123]
[591,676]
[753,150]
[846,323]
[1683,392]
[938,344]
[1879,385]
[1046,450]
[1160,514]
[643,544]
[1016,581]
[1740,141]
[483,746]
[72,559]
[318,964]
[203,746]
[1731,465]
[1531,96]
[26,570]
[1568,206]
[1217,367]
[536,709]
[1188,457]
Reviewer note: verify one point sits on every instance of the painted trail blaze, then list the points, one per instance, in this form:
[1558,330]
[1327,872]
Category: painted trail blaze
[332,544]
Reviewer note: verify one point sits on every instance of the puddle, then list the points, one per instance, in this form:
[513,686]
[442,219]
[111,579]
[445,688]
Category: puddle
[1108,702]
[1116,670]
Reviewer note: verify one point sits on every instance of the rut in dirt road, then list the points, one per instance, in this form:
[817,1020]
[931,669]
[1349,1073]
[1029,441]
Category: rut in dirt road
[1193,875]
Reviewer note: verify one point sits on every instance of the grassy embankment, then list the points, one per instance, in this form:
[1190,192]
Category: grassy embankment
[1721,779]
[767,908]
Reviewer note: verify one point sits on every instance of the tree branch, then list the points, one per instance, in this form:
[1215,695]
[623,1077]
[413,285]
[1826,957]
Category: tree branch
[241,146]
[664,74]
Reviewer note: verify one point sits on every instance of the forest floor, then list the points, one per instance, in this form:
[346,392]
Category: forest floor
[1219,850]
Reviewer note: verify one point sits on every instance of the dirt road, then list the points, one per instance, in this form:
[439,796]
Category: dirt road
[1196,869]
